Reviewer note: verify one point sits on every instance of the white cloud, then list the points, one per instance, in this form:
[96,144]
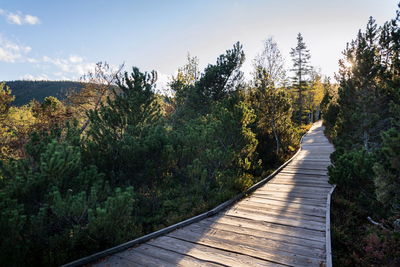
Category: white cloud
[75,59]
[32,20]
[18,18]
[32,60]
[14,19]
[72,66]
[11,52]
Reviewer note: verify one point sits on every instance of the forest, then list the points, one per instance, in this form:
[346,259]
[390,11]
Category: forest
[362,118]
[24,91]
[115,159]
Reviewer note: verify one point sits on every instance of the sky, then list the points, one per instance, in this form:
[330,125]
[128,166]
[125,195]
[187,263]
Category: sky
[62,40]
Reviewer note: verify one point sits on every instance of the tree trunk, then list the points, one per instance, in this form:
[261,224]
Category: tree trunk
[278,144]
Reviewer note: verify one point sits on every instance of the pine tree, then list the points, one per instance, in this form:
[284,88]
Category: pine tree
[126,138]
[301,68]
[223,77]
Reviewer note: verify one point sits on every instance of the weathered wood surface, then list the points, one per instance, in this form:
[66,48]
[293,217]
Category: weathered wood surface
[282,223]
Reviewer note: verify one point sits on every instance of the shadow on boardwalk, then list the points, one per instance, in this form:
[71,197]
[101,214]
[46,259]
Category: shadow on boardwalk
[282,223]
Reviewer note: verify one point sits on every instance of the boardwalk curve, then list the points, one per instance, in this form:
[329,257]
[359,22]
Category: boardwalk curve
[284,222]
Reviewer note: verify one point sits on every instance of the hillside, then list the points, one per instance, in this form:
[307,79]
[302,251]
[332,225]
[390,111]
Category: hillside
[25,91]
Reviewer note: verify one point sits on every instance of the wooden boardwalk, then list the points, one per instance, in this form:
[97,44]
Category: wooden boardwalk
[283,223]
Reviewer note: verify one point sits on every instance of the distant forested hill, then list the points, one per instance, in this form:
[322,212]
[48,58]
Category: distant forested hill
[25,91]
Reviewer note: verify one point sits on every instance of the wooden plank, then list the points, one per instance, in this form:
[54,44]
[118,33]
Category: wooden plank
[300,176]
[278,220]
[291,207]
[316,151]
[300,183]
[273,193]
[266,234]
[283,213]
[136,258]
[321,146]
[317,164]
[316,161]
[318,143]
[314,155]
[265,242]
[311,198]
[305,173]
[268,227]
[298,192]
[307,166]
[114,260]
[270,208]
[271,188]
[301,169]
[297,188]
[249,247]
[172,257]
[323,169]
[280,214]
[313,159]
[316,182]
[209,253]
[285,200]
[317,147]
[318,156]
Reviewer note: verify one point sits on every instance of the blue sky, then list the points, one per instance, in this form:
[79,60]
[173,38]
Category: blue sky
[63,39]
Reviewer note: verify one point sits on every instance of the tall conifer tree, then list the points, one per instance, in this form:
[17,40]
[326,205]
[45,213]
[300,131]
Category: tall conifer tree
[301,68]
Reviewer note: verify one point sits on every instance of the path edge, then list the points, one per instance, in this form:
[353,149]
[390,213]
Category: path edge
[328,247]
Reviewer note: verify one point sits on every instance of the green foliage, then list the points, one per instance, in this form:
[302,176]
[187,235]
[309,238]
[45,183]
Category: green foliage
[220,78]
[5,100]
[187,76]
[55,208]
[5,103]
[330,110]
[127,139]
[273,107]
[387,171]
[217,80]
[363,122]
[353,175]
[224,150]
